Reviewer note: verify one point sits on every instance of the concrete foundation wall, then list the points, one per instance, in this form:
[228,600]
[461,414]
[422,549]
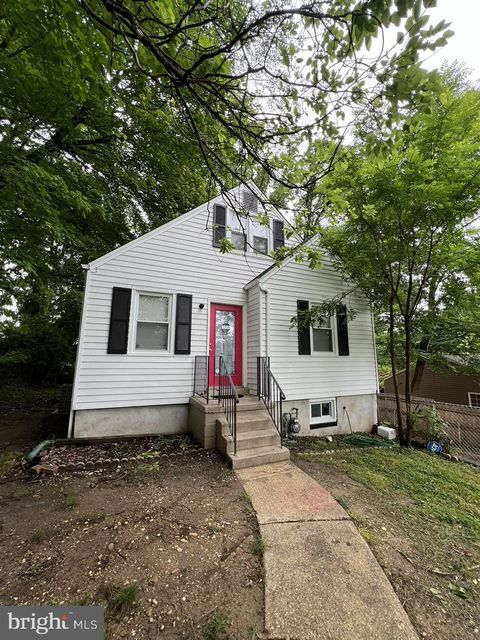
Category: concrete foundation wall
[202,425]
[361,409]
[131,421]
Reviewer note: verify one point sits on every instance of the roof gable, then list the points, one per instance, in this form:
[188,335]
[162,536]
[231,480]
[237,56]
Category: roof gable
[231,197]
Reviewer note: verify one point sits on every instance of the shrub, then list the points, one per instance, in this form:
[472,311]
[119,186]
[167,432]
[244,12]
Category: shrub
[428,425]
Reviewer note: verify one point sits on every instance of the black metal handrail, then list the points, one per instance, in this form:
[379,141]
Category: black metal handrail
[228,398]
[200,377]
[271,393]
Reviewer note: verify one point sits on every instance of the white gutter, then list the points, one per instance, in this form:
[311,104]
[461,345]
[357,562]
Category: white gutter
[374,340]
[267,318]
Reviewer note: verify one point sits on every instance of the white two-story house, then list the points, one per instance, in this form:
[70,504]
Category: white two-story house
[155,308]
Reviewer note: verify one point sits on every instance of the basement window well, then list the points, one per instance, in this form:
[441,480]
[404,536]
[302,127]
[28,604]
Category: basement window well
[323,413]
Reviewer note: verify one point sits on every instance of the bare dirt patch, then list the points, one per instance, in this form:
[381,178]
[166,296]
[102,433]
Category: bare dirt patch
[178,528]
[433,568]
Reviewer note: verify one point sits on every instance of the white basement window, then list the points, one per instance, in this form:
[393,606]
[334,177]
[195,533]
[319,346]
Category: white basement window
[474,399]
[323,412]
[322,335]
[153,322]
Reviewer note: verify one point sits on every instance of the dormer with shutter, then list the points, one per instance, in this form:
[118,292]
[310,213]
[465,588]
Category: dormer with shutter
[247,225]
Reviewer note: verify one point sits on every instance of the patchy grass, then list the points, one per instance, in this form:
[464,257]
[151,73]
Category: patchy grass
[96,517]
[343,502]
[316,444]
[442,492]
[216,626]
[21,492]
[421,516]
[40,535]
[259,546]
[71,500]
[247,501]
[121,600]
[8,461]
[142,472]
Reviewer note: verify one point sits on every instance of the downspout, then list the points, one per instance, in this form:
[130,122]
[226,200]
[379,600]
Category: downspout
[71,420]
[267,318]
[374,340]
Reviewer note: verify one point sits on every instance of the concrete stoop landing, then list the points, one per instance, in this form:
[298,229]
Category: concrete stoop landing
[322,582]
[258,441]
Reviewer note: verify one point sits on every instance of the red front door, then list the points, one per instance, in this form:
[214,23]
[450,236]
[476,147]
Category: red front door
[226,341]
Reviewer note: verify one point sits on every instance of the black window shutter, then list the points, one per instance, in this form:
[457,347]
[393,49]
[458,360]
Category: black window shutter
[303,332]
[183,324]
[119,320]
[219,224]
[278,234]
[342,331]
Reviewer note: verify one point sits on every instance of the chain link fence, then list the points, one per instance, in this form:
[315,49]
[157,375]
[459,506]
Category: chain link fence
[463,423]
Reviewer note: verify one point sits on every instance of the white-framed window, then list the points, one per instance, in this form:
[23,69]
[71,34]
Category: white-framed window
[152,321]
[474,399]
[259,237]
[237,229]
[238,239]
[323,411]
[248,233]
[322,336]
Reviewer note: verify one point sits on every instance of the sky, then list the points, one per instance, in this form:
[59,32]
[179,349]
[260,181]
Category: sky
[464,46]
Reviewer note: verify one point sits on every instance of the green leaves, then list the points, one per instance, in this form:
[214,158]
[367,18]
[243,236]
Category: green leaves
[91,155]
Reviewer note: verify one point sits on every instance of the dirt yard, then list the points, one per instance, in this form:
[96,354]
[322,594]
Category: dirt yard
[420,515]
[170,548]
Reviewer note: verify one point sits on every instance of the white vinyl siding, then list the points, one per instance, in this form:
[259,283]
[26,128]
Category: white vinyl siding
[321,374]
[178,259]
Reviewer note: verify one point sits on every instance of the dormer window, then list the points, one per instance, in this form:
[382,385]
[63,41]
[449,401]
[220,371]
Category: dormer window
[260,236]
[237,238]
[245,231]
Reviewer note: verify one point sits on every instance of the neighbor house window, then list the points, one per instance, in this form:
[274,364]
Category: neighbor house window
[153,322]
[322,335]
[323,412]
[474,399]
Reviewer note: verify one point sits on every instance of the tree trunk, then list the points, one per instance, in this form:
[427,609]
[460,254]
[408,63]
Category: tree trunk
[393,360]
[408,384]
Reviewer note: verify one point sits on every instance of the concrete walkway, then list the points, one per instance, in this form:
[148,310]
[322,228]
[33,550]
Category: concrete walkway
[321,579]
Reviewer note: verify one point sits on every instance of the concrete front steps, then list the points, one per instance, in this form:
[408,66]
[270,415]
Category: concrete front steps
[258,441]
